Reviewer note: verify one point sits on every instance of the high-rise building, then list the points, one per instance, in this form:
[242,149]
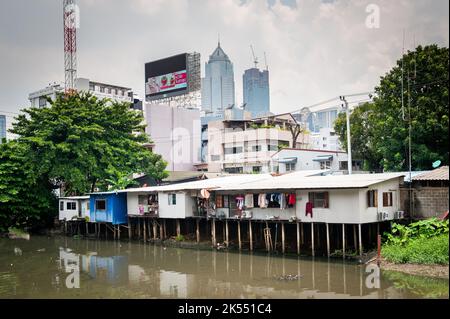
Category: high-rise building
[218,83]
[256,92]
[2,128]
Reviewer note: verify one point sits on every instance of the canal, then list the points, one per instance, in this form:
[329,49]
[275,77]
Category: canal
[64,267]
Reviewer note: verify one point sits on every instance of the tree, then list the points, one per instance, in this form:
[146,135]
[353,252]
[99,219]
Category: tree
[25,197]
[81,142]
[381,131]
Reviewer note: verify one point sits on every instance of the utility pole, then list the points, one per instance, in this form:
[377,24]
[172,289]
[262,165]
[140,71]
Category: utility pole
[349,144]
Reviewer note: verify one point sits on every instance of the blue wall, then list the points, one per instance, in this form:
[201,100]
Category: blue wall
[116,208]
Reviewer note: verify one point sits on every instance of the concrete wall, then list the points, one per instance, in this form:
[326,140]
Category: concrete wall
[68,214]
[85,208]
[430,201]
[182,209]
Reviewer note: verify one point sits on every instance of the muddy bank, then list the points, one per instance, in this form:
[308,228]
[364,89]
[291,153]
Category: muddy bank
[437,271]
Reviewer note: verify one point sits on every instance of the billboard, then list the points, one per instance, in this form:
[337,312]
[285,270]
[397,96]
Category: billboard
[166,77]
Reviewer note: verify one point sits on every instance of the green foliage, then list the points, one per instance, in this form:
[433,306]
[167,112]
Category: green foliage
[380,129]
[180,238]
[403,234]
[421,250]
[26,198]
[85,142]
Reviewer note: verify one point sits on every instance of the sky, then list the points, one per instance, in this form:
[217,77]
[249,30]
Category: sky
[316,50]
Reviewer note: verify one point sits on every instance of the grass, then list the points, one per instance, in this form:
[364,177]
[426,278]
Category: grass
[420,286]
[433,250]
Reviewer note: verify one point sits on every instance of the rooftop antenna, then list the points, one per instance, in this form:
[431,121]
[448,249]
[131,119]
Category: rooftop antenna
[70,44]
[403,72]
[255,59]
[265,61]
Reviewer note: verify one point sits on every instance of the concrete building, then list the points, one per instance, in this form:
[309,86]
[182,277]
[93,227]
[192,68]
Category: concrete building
[218,83]
[247,146]
[175,133]
[321,127]
[290,159]
[2,128]
[256,92]
[100,90]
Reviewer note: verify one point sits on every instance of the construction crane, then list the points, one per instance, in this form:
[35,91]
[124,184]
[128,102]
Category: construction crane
[70,14]
[255,59]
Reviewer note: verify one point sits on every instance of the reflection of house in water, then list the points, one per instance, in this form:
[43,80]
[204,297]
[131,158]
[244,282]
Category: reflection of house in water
[113,269]
[175,285]
[137,275]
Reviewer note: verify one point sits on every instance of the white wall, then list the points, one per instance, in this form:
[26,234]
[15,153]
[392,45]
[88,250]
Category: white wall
[85,210]
[132,203]
[182,209]
[65,213]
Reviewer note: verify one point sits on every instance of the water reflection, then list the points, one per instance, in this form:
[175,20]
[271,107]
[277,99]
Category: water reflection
[54,268]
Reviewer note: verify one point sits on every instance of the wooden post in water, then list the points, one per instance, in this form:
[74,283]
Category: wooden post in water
[360,241]
[283,246]
[178,227]
[87,229]
[197,230]
[302,238]
[343,241]
[164,229]
[239,235]
[298,238]
[250,232]
[226,233]
[155,230]
[139,228]
[129,228]
[355,243]
[145,231]
[161,232]
[328,240]
[312,239]
[118,232]
[213,231]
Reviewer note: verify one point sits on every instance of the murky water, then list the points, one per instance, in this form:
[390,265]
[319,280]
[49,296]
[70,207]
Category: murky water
[76,268]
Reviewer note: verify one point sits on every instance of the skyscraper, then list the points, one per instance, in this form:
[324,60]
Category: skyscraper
[218,83]
[256,92]
[2,128]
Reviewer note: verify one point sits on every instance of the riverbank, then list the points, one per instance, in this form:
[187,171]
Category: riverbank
[436,271]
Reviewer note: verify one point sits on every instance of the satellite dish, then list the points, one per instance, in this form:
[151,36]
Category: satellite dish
[436,164]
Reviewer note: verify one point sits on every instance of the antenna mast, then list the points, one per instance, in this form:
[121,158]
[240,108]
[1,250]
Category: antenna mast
[265,61]
[70,44]
[255,59]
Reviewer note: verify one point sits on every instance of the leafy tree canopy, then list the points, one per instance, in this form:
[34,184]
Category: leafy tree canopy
[380,130]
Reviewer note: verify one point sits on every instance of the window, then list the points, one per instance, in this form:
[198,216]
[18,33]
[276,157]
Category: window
[222,201]
[343,165]
[256,148]
[61,205]
[273,147]
[102,89]
[215,158]
[143,199]
[172,199]
[234,170]
[71,206]
[387,199]
[372,198]
[87,206]
[100,204]
[42,101]
[233,150]
[290,167]
[325,165]
[319,199]
[256,169]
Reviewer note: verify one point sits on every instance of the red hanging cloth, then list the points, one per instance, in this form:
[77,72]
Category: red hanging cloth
[309,209]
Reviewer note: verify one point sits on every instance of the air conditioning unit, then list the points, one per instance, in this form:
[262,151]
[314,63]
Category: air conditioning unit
[379,217]
[399,214]
[385,216]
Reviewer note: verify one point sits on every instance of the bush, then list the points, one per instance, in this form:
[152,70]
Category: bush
[420,250]
[402,234]
[180,238]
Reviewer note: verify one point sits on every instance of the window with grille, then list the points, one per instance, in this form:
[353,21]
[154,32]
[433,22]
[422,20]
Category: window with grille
[387,199]
[71,206]
[100,204]
[319,199]
[372,198]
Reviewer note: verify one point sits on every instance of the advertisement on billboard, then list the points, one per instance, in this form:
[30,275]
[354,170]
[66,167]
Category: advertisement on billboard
[166,83]
[166,77]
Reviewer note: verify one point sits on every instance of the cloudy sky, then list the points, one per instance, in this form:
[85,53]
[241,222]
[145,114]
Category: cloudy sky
[315,49]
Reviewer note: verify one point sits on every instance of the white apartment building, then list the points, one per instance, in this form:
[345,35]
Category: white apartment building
[247,146]
[100,90]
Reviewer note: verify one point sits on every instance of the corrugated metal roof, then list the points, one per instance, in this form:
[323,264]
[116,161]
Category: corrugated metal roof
[74,197]
[291,181]
[439,174]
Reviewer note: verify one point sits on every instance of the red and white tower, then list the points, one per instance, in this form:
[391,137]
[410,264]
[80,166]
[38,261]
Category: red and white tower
[71,16]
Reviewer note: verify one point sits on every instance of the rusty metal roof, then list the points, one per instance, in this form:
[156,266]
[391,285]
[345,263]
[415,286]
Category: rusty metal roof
[439,174]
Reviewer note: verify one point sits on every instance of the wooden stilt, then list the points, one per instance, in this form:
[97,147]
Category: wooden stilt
[343,241]
[226,233]
[139,228]
[302,238]
[118,232]
[106,231]
[312,239]
[145,230]
[250,232]
[87,229]
[360,241]
[283,246]
[178,227]
[161,232]
[298,239]
[197,230]
[155,230]
[129,228]
[164,230]
[149,229]
[328,240]
[213,231]
[239,235]
[355,240]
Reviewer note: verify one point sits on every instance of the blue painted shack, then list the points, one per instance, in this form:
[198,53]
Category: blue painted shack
[108,207]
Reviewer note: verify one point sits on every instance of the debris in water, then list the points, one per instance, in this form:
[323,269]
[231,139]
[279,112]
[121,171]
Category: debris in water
[288,277]
[17,251]
[41,250]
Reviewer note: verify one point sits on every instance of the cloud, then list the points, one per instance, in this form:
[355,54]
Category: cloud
[315,50]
